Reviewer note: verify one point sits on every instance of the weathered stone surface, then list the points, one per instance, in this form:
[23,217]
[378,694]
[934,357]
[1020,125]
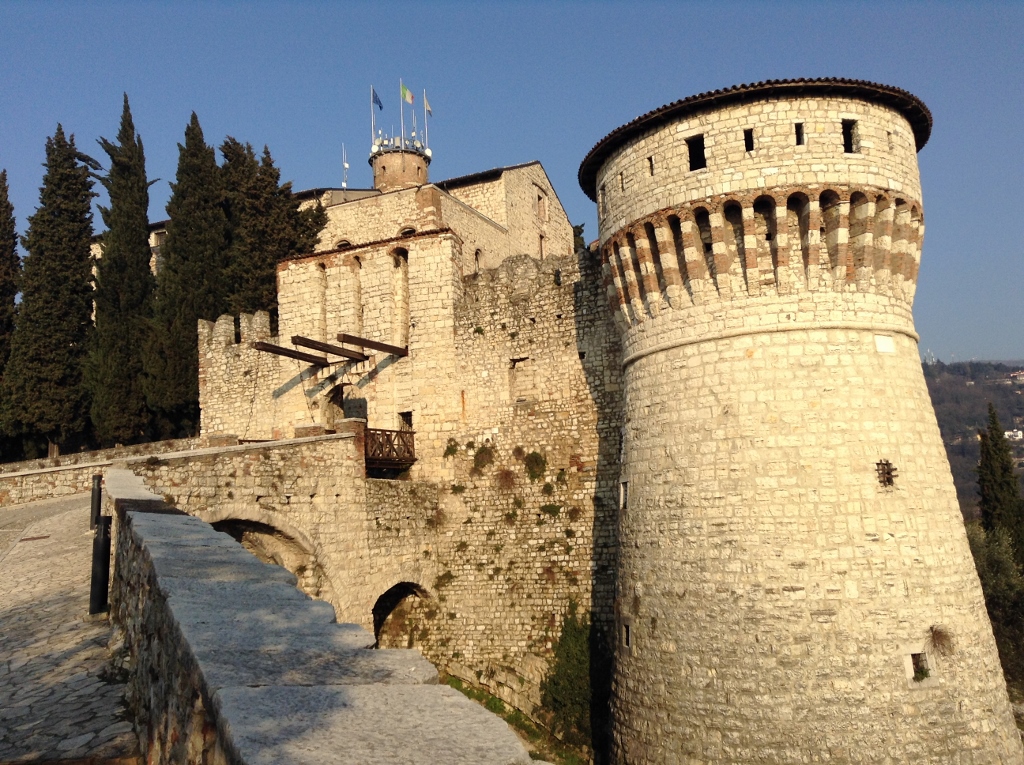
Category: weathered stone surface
[364,725]
[194,641]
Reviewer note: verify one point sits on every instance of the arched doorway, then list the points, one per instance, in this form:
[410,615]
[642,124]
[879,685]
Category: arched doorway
[391,616]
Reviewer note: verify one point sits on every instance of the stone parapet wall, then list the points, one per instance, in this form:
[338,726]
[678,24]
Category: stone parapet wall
[230,664]
[72,473]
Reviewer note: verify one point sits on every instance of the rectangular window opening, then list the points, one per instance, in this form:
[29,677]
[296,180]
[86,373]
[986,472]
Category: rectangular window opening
[603,201]
[799,133]
[405,420]
[748,139]
[650,165]
[695,147]
[626,637]
[623,494]
[540,246]
[851,138]
[622,182]
[921,669]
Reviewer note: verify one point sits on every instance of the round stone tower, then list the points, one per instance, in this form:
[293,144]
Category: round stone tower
[794,580]
[398,164]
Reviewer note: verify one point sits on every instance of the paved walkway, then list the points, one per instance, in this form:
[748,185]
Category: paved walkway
[56,702]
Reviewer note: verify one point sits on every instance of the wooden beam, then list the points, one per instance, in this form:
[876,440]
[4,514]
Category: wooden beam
[337,350]
[362,342]
[309,358]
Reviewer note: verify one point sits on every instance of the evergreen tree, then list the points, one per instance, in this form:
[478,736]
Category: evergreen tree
[189,286]
[10,269]
[43,395]
[1001,506]
[124,288]
[265,226]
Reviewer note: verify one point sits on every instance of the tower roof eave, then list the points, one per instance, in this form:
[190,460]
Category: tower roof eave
[909,105]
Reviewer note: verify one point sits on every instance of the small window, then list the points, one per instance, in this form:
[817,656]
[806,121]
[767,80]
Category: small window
[921,669]
[540,246]
[799,133]
[622,182]
[888,136]
[419,172]
[748,139]
[886,472]
[343,244]
[650,165]
[476,261]
[407,231]
[695,147]
[851,137]
[603,203]
[623,495]
[405,420]
[627,637]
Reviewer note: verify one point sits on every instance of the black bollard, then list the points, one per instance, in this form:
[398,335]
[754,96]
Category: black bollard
[97,500]
[100,566]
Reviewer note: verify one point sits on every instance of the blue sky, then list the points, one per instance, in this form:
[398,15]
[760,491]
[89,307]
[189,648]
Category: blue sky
[513,82]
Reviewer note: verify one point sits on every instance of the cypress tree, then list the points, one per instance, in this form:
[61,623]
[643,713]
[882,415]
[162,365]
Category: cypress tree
[43,395]
[124,288]
[265,225]
[189,286]
[999,488]
[10,269]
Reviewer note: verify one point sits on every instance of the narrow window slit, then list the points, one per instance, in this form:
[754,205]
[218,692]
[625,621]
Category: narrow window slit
[748,139]
[799,133]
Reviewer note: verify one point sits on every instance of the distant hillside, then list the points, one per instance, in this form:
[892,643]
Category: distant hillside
[961,393]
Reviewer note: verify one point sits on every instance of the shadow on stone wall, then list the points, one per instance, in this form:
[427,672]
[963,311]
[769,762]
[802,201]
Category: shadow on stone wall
[598,345]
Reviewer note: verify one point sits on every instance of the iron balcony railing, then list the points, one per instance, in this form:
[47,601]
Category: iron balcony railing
[390,448]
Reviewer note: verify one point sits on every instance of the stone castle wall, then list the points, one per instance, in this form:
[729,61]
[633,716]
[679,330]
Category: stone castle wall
[774,590]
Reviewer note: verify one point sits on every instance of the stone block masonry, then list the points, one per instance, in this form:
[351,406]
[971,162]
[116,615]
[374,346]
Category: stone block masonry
[232,665]
[780,591]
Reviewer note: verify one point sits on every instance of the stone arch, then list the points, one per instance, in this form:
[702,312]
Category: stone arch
[766,239]
[342,244]
[652,246]
[829,202]
[798,217]
[706,241]
[400,294]
[387,604]
[273,539]
[735,244]
[406,231]
[634,262]
[860,231]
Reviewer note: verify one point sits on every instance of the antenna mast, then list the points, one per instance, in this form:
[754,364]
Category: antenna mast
[344,168]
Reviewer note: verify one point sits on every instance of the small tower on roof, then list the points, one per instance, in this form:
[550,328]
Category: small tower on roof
[398,163]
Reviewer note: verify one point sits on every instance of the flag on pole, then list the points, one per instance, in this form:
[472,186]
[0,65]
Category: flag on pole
[406,94]
[376,99]
[426,104]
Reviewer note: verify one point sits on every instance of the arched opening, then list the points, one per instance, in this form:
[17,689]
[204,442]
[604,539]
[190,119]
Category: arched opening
[634,260]
[860,230]
[400,291]
[900,233]
[766,239]
[734,244]
[407,231]
[881,238]
[829,203]
[391,616]
[476,262]
[271,545]
[798,217]
[703,220]
[652,243]
[342,244]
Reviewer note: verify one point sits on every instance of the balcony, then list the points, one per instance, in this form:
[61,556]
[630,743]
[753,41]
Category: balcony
[389,452]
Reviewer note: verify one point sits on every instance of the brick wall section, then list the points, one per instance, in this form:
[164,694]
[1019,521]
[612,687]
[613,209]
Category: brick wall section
[772,589]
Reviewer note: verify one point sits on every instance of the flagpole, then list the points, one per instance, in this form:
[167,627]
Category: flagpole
[426,124]
[401,105]
[373,119]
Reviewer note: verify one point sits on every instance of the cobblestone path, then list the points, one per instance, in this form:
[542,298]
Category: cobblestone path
[56,703]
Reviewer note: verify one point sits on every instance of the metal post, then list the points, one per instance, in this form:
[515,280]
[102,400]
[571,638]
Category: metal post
[97,500]
[100,566]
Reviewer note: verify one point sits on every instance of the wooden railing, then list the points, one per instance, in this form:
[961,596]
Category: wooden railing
[390,448]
